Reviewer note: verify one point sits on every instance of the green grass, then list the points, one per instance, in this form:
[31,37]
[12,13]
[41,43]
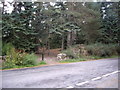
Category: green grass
[41,63]
[64,61]
[85,59]
[72,60]
[114,56]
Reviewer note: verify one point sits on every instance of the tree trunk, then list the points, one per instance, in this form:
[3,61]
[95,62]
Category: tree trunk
[48,43]
[73,37]
[43,53]
[48,47]
[42,56]
[69,39]
[63,39]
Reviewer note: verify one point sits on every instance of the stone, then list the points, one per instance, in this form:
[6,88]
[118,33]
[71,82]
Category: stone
[61,56]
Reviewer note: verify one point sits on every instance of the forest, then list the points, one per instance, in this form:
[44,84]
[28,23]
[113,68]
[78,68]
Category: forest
[81,30]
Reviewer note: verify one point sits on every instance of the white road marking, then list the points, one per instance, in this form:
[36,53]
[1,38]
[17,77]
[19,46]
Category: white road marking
[70,87]
[114,72]
[105,75]
[79,84]
[97,78]
[110,74]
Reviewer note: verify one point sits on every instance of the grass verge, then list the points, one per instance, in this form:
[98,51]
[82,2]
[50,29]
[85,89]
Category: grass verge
[72,60]
[40,63]
[64,61]
[85,59]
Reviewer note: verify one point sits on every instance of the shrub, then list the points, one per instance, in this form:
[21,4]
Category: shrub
[42,63]
[30,59]
[95,50]
[118,50]
[14,58]
[70,53]
[101,50]
[6,48]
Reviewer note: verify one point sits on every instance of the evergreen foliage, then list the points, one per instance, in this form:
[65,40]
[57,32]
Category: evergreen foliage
[34,25]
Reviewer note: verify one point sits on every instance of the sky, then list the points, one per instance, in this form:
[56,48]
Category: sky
[9,7]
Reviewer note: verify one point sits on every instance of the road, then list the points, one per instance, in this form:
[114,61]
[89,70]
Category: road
[88,74]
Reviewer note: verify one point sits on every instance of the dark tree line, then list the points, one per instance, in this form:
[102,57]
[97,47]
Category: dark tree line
[35,25]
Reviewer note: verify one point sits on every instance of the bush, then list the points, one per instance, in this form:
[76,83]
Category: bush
[70,53]
[42,63]
[102,50]
[14,58]
[118,50]
[6,48]
[95,50]
[30,59]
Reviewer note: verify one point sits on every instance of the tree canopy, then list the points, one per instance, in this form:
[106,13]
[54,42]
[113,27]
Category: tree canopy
[33,25]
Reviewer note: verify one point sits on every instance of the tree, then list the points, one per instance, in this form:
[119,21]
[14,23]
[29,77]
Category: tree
[88,18]
[110,27]
[17,29]
[35,25]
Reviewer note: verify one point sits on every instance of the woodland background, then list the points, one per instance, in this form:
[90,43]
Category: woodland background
[32,28]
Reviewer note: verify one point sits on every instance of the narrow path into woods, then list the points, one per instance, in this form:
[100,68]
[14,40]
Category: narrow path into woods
[50,56]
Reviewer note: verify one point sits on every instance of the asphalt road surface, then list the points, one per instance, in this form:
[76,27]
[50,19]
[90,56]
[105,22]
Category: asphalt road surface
[88,74]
